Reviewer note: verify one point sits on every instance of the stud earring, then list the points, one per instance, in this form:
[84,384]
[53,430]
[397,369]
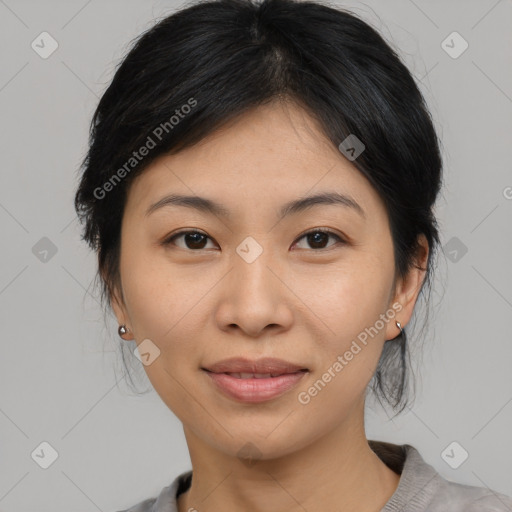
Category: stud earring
[122,330]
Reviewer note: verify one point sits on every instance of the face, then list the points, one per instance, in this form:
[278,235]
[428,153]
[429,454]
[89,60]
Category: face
[246,281]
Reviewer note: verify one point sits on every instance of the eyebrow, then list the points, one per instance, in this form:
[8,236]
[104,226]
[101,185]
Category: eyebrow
[292,207]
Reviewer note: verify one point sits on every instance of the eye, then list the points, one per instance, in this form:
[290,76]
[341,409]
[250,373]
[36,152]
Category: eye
[196,239]
[318,237]
[193,239]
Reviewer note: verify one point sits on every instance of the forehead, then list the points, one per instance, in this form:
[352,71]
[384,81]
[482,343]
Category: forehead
[269,155]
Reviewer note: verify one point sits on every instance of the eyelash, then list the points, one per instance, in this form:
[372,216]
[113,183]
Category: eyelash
[170,240]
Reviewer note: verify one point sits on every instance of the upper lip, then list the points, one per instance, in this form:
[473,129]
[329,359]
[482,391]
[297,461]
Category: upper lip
[263,366]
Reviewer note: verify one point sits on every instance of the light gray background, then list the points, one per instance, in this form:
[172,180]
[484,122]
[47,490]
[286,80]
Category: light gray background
[59,364]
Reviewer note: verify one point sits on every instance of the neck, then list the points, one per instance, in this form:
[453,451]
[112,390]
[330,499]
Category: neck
[336,472]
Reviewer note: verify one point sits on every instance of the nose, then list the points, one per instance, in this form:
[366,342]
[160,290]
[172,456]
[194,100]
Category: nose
[254,298]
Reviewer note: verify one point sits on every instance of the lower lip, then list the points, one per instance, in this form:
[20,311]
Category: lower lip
[255,390]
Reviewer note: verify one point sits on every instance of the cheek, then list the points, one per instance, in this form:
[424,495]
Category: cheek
[161,306]
[349,297]
[348,304]
[167,307]
[158,297]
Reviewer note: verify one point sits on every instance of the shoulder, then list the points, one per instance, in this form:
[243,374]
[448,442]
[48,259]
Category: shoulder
[423,489]
[166,501]
[459,497]
[442,494]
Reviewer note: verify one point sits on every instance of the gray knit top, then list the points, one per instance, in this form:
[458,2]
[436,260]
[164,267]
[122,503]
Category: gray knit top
[421,488]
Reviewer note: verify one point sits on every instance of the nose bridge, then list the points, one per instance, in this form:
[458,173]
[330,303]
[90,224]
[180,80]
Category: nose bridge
[251,261]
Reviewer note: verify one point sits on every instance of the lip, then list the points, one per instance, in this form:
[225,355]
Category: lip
[263,366]
[254,390]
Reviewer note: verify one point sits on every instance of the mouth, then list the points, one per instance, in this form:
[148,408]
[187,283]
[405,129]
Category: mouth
[254,380]
[254,388]
[243,375]
[263,368]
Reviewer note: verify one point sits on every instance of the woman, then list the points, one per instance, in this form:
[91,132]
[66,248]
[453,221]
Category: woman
[259,188]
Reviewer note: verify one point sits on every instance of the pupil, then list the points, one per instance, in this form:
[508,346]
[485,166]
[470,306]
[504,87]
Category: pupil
[195,239]
[316,238]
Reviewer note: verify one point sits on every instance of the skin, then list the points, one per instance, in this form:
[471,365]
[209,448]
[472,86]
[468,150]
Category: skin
[298,301]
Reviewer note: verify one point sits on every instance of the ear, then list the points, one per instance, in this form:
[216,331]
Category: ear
[408,288]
